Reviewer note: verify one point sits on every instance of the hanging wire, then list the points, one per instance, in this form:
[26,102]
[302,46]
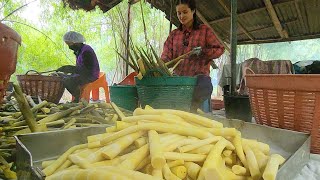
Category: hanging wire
[17,10]
[47,37]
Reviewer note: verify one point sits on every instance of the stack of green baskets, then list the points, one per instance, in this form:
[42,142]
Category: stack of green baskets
[166,92]
[124,96]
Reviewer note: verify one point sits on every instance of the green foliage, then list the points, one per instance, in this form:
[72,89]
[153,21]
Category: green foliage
[294,51]
[43,48]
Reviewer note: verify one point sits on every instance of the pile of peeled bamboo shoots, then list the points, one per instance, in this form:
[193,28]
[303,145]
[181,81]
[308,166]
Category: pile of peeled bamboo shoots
[166,144]
[30,117]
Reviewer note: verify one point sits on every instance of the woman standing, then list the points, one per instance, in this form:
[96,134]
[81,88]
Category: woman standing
[189,35]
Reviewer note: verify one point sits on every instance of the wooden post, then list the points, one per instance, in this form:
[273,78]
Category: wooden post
[171,12]
[233,40]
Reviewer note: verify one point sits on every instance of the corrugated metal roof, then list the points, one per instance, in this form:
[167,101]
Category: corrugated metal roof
[298,18]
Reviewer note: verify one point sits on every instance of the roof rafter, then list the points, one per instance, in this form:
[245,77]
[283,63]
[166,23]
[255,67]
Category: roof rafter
[270,26]
[274,17]
[258,41]
[251,11]
[227,9]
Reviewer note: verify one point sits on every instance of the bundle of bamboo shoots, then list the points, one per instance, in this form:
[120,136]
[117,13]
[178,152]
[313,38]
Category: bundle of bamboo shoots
[166,144]
[144,60]
[147,62]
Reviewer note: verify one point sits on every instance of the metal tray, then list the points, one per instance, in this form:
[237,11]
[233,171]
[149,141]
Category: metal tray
[32,149]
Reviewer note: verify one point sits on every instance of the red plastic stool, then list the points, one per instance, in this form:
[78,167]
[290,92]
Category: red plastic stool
[94,88]
[129,80]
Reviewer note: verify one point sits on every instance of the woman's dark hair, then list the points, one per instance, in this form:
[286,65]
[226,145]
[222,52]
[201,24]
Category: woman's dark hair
[193,7]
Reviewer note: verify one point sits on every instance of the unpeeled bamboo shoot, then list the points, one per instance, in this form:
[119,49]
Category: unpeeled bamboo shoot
[118,111]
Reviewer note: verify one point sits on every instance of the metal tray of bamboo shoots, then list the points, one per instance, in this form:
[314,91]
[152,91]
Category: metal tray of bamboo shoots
[32,149]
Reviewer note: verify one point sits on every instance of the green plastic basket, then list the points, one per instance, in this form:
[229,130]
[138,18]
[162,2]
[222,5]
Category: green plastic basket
[166,92]
[124,96]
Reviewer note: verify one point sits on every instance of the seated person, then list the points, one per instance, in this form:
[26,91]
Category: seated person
[87,66]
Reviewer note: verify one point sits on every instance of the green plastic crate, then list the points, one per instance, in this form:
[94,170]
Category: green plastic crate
[124,96]
[174,92]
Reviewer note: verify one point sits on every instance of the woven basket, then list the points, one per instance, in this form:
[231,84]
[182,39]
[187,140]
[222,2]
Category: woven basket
[124,96]
[287,101]
[166,92]
[49,88]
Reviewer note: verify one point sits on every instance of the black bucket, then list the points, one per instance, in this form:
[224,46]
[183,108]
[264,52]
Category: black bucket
[238,107]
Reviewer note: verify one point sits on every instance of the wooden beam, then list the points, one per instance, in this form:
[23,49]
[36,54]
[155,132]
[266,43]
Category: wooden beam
[296,38]
[227,9]
[274,17]
[250,12]
[269,26]
[204,20]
